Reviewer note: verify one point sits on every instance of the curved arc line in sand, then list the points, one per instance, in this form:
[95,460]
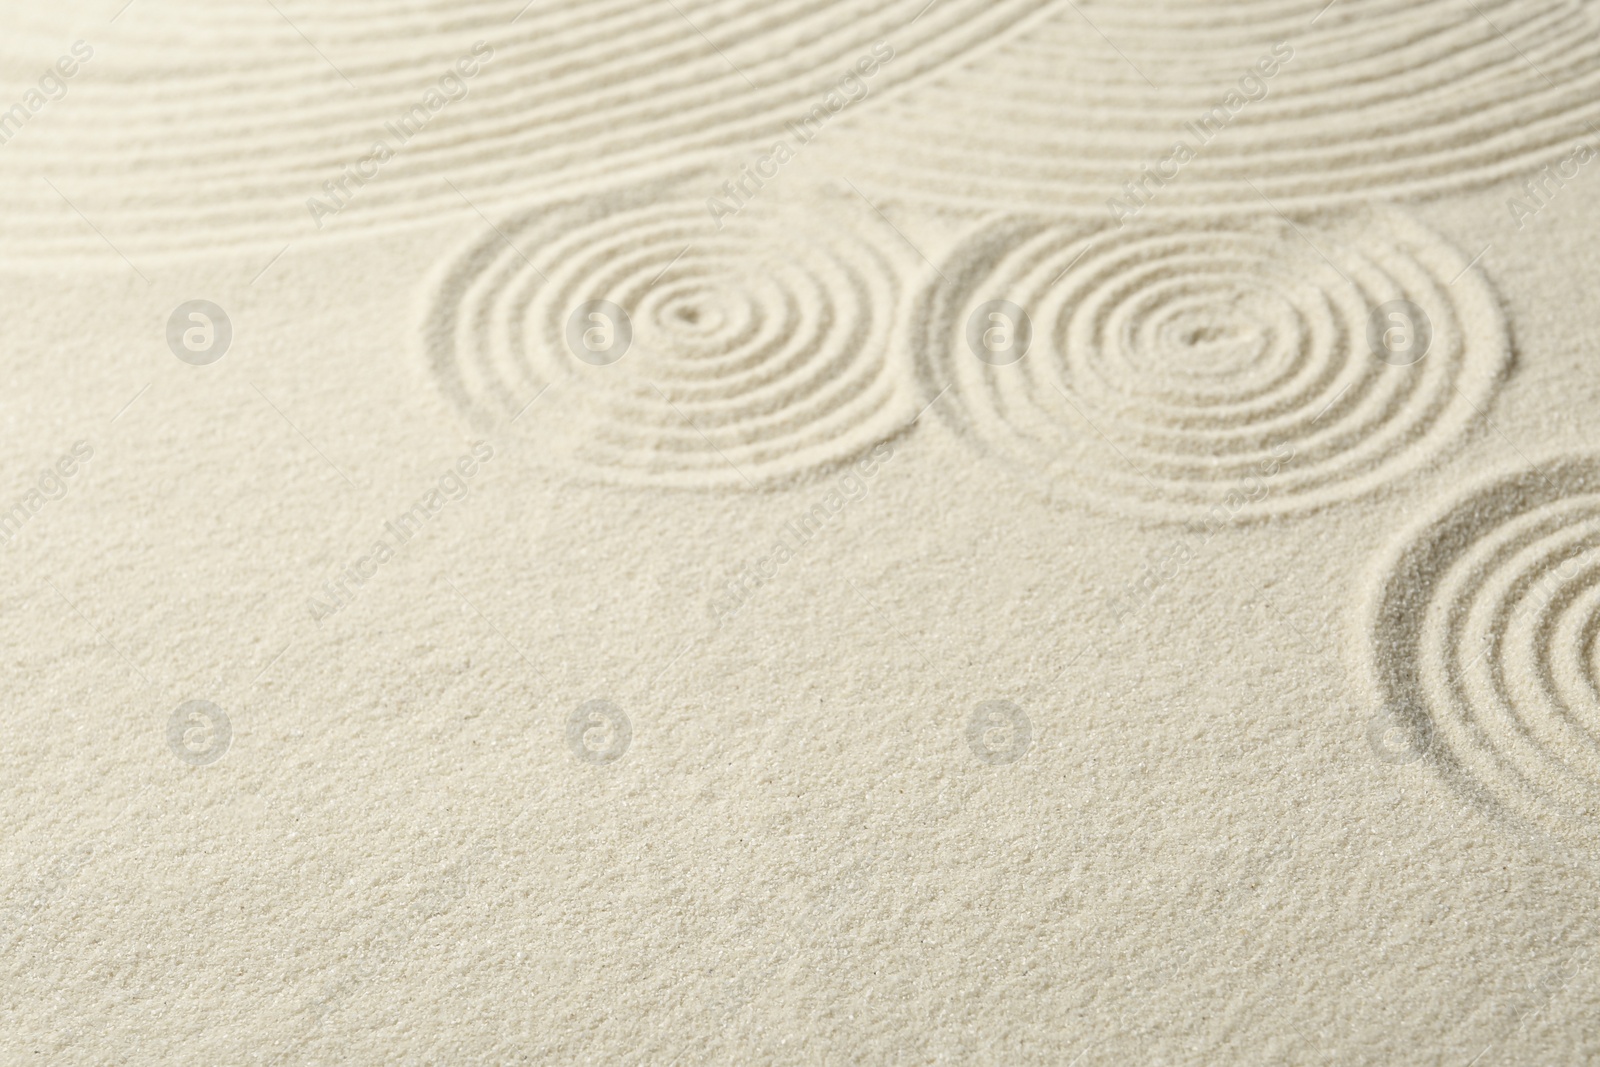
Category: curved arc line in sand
[1174,368]
[1480,635]
[762,352]
[536,120]
[1427,99]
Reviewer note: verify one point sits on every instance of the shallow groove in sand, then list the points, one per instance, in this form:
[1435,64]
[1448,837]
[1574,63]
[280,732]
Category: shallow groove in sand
[1484,638]
[1379,99]
[759,352]
[200,125]
[1174,368]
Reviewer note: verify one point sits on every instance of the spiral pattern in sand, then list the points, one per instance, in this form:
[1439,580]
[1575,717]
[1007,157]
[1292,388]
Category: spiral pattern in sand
[199,125]
[1484,631]
[1377,98]
[759,351]
[1177,370]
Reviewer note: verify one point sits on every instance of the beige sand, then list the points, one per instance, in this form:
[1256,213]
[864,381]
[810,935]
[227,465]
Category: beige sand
[408,666]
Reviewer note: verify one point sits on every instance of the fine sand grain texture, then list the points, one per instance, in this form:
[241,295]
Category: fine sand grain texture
[1207,357]
[202,123]
[729,532]
[760,350]
[1360,99]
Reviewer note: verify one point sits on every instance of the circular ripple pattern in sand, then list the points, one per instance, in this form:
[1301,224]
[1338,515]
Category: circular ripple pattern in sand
[759,351]
[199,125]
[1377,98]
[1174,370]
[1484,633]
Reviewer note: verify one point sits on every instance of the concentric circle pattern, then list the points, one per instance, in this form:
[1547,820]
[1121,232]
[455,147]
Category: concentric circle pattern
[750,354]
[1389,98]
[198,125]
[1177,370]
[1485,629]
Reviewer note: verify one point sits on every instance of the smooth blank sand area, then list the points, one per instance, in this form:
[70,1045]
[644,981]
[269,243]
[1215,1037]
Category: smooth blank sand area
[407,666]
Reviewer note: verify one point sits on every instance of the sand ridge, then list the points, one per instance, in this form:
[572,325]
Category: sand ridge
[954,590]
[1483,644]
[1379,100]
[178,149]
[1173,367]
[678,352]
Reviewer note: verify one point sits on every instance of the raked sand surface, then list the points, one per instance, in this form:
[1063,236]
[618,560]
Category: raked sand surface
[800,532]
